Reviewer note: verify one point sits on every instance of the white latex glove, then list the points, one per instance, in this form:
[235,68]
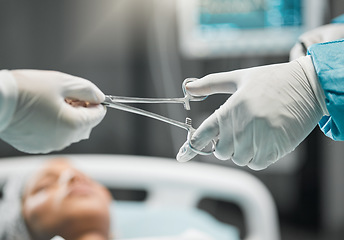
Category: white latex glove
[272,110]
[326,33]
[42,121]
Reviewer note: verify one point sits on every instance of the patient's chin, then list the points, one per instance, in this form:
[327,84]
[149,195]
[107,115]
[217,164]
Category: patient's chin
[82,220]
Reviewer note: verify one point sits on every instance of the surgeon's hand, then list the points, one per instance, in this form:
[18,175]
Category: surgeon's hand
[272,110]
[49,115]
[326,33]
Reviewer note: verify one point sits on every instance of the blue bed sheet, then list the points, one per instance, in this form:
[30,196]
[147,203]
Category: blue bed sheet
[137,220]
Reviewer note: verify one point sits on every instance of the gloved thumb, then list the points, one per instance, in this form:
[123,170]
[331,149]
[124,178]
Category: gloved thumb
[203,136]
[226,82]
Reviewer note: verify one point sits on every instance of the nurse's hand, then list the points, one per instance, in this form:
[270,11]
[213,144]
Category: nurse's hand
[326,33]
[48,114]
[272,109]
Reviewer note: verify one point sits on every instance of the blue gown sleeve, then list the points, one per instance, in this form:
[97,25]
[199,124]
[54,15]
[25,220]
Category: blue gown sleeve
[328,60]
[339,19]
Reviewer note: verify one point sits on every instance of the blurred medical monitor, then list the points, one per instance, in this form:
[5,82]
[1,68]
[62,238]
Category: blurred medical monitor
[225,28]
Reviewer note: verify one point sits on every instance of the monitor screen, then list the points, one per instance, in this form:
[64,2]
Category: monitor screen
[213,28]
[249,14]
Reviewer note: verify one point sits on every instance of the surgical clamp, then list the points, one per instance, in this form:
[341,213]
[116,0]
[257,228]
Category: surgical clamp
[117,103]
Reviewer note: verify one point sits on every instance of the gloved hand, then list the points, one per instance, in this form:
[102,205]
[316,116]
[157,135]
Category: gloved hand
[43,121]
[273,108]
[326,33]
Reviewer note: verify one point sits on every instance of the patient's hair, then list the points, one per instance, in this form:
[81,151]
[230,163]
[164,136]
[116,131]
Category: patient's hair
[57,200]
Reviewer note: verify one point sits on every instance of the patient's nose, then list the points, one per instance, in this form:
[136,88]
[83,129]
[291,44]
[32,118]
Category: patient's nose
[71,175]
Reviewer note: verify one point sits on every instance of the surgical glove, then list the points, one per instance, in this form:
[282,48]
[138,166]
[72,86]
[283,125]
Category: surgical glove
[326,33]
[42,120]
[272,109]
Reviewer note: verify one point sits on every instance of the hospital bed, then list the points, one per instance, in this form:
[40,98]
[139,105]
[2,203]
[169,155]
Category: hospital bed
[174,191]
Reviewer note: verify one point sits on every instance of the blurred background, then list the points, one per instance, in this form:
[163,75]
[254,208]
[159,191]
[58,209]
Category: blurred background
[146,48]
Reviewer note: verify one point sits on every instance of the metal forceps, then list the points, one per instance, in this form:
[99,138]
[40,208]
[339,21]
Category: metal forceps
[117,102]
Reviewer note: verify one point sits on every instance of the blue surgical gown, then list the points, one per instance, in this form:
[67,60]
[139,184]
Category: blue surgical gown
[328,60]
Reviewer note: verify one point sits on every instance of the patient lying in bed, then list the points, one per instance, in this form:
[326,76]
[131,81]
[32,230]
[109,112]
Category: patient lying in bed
[56,200]
[59,200]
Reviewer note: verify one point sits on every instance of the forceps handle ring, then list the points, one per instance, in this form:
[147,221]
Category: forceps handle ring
[204,153]
[188,121]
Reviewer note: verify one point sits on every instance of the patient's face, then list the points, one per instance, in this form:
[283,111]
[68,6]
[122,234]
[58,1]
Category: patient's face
[60,200]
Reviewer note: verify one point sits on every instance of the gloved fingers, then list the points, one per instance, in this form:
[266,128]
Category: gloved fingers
[75,124]
[82,118]
[226,82]
[262,161]
[185,153]
[265,150]
[207,131]
[243,146]
[83,90]
[224,147]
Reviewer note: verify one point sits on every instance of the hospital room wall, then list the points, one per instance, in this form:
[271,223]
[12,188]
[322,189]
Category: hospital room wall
[130,48]
[105,43]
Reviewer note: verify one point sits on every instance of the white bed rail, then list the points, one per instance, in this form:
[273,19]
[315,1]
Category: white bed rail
[170,183]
